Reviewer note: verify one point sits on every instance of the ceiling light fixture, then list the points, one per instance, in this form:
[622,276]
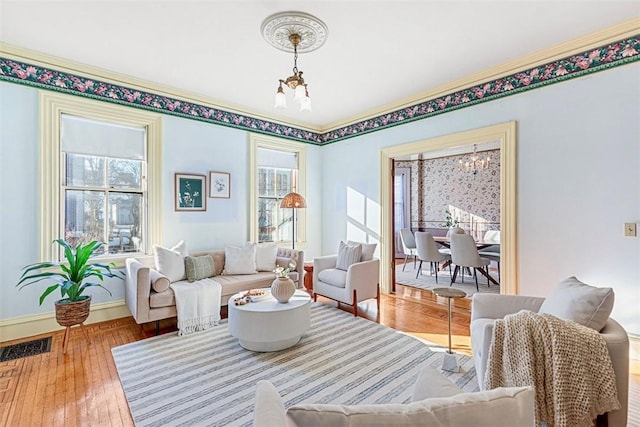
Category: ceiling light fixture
[294,32]
[474,164]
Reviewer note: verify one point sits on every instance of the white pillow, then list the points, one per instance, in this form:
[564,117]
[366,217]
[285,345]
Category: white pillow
[367,249]
[347,255]
[500,407]
[573,300]
[170,262]
[266,256]
[240,260]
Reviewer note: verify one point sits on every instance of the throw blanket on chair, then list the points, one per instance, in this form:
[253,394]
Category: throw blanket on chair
[198,305]
[568,365]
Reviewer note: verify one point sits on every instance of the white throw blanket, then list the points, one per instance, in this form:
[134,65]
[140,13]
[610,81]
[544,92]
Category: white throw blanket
[567,363]
[198,305]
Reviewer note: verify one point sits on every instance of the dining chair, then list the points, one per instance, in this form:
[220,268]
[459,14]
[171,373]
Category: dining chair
[452,230]
[428,251]
[492,253]
[408,246]
[464,253]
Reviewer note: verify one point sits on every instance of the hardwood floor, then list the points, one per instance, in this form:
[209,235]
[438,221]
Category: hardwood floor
[82,387]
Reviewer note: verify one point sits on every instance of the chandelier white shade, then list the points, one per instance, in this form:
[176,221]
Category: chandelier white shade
[294,32]
[474,163]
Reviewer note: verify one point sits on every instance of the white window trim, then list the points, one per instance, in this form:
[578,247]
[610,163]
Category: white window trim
[261,141]
[52,106]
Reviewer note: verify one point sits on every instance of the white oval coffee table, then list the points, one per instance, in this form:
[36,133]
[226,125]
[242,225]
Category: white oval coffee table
[268,325]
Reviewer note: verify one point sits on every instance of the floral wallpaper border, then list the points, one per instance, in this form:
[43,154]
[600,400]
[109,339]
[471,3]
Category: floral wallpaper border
[598,59]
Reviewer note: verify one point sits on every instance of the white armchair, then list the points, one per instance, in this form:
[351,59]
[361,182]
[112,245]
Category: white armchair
[486,308]
[358,283]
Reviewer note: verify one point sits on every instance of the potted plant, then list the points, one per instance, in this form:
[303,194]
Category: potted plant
[72,278]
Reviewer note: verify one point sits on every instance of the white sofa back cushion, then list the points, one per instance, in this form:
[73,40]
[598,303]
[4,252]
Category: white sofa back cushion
[498,407]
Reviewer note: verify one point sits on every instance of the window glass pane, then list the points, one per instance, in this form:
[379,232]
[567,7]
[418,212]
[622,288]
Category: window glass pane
[267,220]
[285,225]
[266,182]
[124,222]
[284,182]
[84,216]
[125,174]
[84,171]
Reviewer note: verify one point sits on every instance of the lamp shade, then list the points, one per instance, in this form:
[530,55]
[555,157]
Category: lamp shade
[293,200]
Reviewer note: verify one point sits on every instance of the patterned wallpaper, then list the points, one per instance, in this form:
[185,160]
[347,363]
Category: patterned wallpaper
[437,185]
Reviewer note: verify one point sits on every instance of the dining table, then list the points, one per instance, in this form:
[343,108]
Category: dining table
[480,244]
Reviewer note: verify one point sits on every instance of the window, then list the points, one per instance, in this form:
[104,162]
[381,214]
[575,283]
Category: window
[100,176]
[279,170]
[103,184]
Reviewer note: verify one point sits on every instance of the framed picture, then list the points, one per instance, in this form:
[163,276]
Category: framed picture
[190,190]
[219,185]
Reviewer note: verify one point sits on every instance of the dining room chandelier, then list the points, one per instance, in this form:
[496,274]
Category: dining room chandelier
[474,163]
[294,32]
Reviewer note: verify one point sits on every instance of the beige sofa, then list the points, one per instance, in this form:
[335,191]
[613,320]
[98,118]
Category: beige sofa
[435,401]
[147,305]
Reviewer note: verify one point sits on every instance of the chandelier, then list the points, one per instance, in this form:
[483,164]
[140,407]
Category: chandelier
[294,32]
[475,163]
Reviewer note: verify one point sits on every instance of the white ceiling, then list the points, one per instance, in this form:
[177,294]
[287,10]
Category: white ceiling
[378,53]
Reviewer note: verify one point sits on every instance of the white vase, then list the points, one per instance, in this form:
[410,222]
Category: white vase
[282,289]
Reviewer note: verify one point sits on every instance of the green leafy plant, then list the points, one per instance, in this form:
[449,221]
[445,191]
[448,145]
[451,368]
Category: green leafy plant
[450,221]
[73,274]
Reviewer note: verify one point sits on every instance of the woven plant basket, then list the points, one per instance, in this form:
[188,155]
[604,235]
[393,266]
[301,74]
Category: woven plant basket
[72,313]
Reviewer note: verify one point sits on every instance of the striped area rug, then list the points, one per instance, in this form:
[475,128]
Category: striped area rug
[208,379]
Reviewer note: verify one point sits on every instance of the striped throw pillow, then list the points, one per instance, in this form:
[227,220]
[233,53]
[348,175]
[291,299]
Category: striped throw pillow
[347,255]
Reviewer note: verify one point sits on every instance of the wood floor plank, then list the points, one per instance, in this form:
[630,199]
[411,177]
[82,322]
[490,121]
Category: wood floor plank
[83,388]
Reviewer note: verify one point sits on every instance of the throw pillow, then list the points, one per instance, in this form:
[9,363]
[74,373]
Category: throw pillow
[367,249]
[573,300]
[170,262]
[240,260]
[347,255]
[199,267]
[266,256]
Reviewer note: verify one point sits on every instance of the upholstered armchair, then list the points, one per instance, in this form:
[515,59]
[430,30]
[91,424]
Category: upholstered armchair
[570,300]
[351,281]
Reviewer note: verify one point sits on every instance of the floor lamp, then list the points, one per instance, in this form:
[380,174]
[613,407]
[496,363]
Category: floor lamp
[293,201]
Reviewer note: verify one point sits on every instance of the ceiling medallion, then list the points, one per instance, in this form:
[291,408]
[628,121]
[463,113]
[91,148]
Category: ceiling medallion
[277,28]
[294,32]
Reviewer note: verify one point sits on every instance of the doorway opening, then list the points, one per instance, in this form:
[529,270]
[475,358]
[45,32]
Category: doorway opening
[505,135]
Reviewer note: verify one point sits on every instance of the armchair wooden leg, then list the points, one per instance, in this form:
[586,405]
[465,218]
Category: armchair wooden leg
[315,297]
[378,298]
[355,303]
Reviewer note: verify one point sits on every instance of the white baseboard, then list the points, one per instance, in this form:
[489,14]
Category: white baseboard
[27,326]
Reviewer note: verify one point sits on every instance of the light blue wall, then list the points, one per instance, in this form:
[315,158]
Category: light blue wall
[578,177]
[187,146]
[578,182]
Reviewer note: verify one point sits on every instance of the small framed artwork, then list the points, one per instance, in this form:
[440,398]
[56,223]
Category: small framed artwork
[219,185]
[190,190]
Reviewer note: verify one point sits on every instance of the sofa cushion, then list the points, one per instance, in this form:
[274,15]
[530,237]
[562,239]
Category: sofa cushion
[240,260]
[368,249]
[347,255]
[498,407]
[170,261]
[266,256]
[573,300]
[199,267]
[159,282]
[333,276]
